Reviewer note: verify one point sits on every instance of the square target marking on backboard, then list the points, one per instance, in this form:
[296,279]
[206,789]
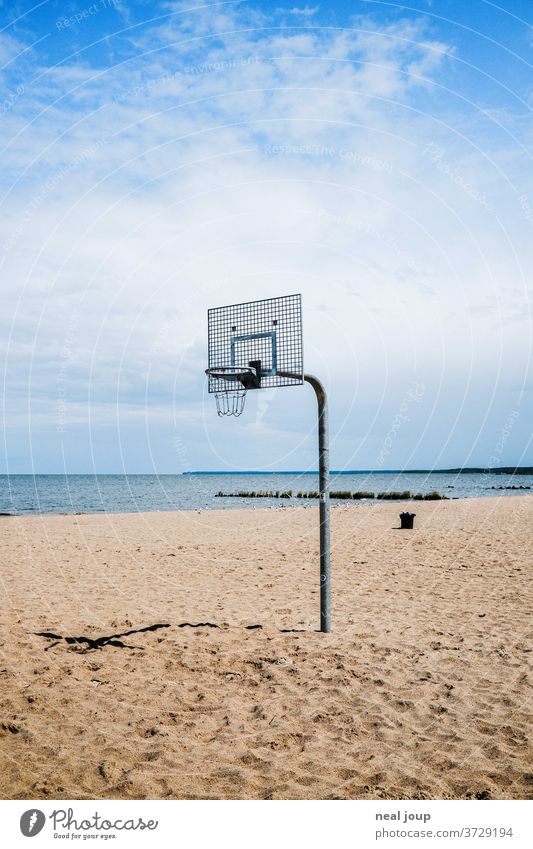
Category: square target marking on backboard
[266,334]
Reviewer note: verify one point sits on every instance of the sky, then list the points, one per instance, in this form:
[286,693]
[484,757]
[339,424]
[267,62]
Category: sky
[158,159]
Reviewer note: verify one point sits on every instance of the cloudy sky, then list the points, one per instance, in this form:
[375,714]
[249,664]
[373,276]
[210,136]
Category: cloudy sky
[161,158]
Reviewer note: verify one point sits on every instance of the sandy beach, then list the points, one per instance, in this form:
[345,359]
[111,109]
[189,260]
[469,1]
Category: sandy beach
[422,691]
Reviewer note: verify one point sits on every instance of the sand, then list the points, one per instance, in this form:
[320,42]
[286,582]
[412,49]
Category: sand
[421,692]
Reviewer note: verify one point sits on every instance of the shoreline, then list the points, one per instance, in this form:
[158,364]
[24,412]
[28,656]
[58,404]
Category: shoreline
[310,505]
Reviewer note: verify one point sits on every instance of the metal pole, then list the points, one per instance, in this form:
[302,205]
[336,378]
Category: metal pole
[323,469]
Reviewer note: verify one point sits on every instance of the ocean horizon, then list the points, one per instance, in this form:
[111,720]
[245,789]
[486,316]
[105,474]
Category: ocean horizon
[505,470]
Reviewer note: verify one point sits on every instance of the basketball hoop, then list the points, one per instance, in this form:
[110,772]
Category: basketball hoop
[231,386]
[260,345]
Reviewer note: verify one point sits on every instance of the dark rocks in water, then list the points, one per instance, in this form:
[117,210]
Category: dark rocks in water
[520,486]
[338,495]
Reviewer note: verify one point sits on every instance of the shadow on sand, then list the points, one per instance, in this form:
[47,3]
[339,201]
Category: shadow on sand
[93,644]
[90,644]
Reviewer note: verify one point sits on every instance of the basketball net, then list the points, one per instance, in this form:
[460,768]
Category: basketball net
[230,402]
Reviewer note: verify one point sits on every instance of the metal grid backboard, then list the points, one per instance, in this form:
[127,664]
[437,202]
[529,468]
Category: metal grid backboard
[268,330]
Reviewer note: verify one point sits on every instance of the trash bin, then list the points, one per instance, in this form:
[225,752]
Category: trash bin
[407,519]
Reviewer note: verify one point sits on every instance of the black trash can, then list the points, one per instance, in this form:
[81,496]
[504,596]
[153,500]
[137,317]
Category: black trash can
[407,520]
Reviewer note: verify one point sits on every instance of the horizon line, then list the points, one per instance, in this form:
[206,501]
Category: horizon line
[456,470]
[528,469]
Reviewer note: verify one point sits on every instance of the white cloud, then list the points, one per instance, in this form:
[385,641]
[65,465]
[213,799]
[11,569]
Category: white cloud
[229,160]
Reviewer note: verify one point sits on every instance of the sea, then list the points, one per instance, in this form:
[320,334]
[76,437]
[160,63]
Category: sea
[70,494]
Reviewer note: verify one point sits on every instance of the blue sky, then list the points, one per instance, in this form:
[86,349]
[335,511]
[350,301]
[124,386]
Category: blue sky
[161,158]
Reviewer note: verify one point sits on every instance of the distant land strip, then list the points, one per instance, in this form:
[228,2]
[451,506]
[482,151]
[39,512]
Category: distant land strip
[501,470]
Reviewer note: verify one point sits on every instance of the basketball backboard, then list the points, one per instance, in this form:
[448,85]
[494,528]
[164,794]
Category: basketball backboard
[263,335]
